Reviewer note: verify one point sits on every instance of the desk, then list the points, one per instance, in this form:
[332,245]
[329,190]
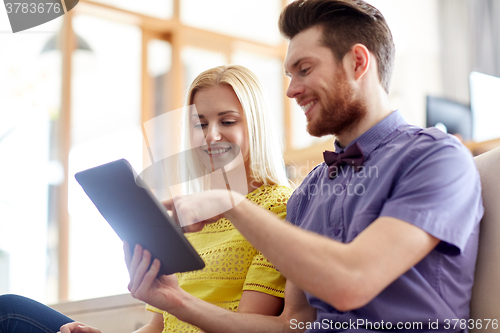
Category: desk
[477,148]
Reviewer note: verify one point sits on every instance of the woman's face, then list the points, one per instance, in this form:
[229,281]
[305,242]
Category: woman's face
[218,130]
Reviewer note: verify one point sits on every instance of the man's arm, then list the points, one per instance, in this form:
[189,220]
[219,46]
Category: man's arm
[347,276]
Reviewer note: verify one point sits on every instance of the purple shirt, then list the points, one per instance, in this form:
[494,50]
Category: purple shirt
[421,176]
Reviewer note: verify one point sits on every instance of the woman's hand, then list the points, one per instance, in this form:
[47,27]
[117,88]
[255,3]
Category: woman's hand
[202,208]
[162,291]
[76,327]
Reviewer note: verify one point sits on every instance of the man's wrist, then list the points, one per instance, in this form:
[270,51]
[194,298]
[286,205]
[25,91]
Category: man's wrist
[237,210]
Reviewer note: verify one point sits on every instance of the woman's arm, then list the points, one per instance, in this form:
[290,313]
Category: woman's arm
[155,326]
[260,303]
[164,293]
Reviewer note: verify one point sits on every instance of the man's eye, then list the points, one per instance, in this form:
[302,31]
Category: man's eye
[304,71]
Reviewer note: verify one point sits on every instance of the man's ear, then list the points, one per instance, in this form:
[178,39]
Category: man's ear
[359,60]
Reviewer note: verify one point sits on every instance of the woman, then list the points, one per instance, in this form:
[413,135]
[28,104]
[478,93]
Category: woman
[228,129]
[229,144]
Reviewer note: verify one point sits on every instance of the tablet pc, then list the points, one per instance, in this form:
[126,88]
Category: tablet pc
[137,216]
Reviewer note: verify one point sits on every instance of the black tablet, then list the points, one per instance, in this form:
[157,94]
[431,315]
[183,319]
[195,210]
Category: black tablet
[137,216]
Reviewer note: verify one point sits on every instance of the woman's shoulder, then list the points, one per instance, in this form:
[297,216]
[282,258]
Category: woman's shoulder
[270,195]
[270,191]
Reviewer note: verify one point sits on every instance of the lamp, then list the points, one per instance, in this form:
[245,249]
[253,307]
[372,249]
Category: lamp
[51,44]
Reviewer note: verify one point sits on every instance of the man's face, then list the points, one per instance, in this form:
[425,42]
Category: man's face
[320,86]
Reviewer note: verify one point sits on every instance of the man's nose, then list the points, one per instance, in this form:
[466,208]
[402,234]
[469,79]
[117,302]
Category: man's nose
[295,88]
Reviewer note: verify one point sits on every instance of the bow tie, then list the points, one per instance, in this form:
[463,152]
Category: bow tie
[352,156]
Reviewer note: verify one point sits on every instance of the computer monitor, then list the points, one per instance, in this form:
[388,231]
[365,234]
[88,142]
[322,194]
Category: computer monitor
[485,106]
[452,116]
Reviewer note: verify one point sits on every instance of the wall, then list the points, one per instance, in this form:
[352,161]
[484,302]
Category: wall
[417,71]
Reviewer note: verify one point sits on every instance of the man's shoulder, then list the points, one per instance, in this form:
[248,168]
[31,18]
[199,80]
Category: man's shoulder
[420,150]
[434,133]
[435,136]
[416,149]
[416,134]
[427,141]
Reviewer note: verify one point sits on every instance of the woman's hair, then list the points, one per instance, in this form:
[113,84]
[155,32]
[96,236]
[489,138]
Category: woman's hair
[266,157]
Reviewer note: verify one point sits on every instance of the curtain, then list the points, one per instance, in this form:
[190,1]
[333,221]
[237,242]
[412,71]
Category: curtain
[455,40]
[470,41]
[486,36]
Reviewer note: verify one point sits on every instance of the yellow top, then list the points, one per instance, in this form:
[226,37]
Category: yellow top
[232,263]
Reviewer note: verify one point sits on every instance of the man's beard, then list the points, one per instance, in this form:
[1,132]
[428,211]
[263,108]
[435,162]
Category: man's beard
[340,112]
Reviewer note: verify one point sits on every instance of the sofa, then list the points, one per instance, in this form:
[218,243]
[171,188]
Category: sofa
[485,302]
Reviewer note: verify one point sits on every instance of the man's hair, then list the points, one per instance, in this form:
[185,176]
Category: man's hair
[344,23]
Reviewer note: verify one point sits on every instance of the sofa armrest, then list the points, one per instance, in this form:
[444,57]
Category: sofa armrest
[112,314]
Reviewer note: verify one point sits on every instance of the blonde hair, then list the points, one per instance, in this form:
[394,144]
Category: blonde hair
[266,157]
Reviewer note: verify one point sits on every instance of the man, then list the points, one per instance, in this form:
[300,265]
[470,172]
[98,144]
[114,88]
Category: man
[383,236]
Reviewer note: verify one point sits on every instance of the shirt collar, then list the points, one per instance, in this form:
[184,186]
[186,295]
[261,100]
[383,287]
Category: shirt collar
[377,134]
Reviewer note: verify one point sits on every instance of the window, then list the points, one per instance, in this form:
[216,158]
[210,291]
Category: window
[233,18]
[162,9]
[29,96]
[105,126]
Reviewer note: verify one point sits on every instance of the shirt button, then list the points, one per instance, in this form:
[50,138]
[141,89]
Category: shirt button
[336,232]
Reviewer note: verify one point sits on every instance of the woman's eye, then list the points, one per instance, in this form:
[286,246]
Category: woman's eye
[200,125]
[228,123]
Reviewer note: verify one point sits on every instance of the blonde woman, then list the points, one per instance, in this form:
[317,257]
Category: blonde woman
[229,129]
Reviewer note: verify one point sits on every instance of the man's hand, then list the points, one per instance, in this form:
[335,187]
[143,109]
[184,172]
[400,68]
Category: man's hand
[192,212]
[162,291]
[76,327]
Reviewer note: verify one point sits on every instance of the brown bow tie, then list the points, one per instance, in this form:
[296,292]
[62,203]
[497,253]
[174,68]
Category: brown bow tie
[352,156]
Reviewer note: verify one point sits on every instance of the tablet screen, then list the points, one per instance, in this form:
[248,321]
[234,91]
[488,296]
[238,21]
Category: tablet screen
[137,216]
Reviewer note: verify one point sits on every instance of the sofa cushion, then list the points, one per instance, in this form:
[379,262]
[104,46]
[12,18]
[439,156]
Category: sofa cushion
[485,303]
